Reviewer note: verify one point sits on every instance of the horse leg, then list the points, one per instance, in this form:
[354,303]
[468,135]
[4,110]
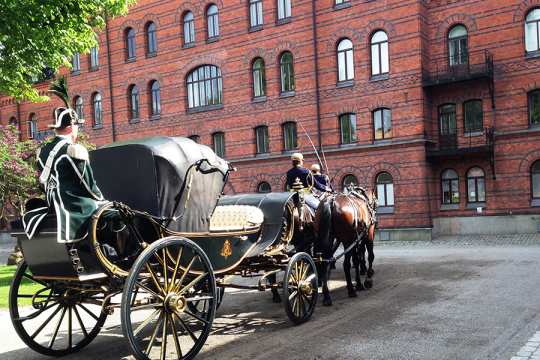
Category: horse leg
[362,257]
[347,270]
[370,272]
[276,298]
[356,261]
[327,299]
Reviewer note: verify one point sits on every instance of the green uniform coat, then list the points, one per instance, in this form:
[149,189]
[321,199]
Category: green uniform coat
[71,190]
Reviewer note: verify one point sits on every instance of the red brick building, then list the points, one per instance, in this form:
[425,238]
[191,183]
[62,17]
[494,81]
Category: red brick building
[436,103]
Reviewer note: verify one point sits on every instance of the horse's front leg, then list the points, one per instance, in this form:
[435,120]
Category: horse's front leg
[371,257]
[347,270]
[324,272]
[357,254]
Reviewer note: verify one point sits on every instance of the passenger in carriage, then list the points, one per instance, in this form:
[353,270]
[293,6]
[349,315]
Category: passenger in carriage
[298,171]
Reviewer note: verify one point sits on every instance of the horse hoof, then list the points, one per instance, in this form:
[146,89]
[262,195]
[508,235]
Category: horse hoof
[370,273]
[327,302]
[368,284]
[352,293]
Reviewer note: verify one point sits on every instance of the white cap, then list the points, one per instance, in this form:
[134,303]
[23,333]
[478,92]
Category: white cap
[297,156]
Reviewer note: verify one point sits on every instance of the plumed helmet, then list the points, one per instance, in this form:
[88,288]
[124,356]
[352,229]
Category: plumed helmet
[297,156]
[64,116]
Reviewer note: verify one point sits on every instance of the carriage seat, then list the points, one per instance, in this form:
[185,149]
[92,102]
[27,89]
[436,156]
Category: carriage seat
[236,218]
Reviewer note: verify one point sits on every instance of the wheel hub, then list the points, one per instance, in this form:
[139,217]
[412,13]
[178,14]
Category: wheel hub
[175,303]
[305,287]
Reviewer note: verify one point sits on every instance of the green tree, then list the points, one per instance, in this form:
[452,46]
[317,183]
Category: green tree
[35,35]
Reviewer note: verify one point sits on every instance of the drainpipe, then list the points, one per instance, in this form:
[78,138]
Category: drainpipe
[316,59]
[107,37]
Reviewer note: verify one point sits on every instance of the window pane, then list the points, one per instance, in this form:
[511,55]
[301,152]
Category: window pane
[390,194]
[447,198]
[375,69]
[287,8]
[457,31]
[377,124]
[281,10]
[379,36]
[253,18]
[387,124]
[475,172]
[472,191]
[380,195]
[534,107]
[455,191]
[536,185]
[341,66]
[385,64]
[531,36]
[350,65]
[480,183]
[473,116]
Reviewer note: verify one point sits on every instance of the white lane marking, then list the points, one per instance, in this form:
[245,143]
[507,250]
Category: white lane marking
[531,350]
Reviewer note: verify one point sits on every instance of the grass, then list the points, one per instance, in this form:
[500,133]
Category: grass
[27,286]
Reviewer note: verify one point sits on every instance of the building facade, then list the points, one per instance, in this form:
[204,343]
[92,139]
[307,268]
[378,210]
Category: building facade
[435,104]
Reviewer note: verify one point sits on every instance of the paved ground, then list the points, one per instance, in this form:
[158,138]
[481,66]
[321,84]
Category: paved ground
[466,298]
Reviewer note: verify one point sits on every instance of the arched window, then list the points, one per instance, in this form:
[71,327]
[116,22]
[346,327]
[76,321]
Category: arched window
[204,87]
[133,102]
[450,187]
[218,141]
[385,189]
[473,116]
[32,126]
[535,179]
[284,9]
[155,98]
[13,122]
[289,136]
[348,181]
[259,78]
[382,123]
[212,20]
[261,136]
[534,107]
[76,63]
[98,110]
[264,187]
[79,106]
[476,185]
[345,60]
[347,125]
[151,38]
[195,138]
[457,45]
[189,28]
[380,63]
[130,43]
[255,13]
[532,31]
[94,58]
[286,72]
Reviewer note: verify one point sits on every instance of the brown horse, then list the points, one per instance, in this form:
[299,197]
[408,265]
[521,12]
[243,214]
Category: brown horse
[352,220]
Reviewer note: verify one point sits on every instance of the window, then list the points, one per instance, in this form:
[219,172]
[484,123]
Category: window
[13,122]
[284,9]
[287,72]
[473,116]
[347,124]
[534,107]
[259,78]
[151,38]
[130,44]
[255,13]
[32,126]
[212,20]
[345,60]
[189,28]
[349,181]
[98,110]
[204,87]
[379,53]
[450,187]
[382,124]
[532,31]
[289,136]
[457,46]
[339,2]
[218,140]
[447,119]
[261,136]
[78,104]
[195,138]
[155,98]
[385,189]
[76,63]
[535,179]
[94,58]
[264,187]
[133,94]
[476,185]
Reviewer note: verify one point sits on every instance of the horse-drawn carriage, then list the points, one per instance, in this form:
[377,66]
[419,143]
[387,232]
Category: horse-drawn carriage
[160,252]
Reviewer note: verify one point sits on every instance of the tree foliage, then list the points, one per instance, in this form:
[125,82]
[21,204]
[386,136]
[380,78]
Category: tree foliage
[35,35]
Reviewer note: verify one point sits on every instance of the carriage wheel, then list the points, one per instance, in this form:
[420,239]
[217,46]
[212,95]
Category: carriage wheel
[156,316]
[52,318]
[199,307]
[300,288]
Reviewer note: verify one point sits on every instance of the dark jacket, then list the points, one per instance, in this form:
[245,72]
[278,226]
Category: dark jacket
[323,179]
[305,177]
